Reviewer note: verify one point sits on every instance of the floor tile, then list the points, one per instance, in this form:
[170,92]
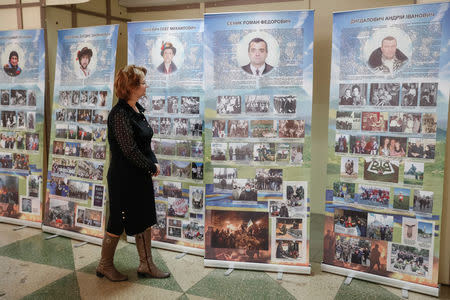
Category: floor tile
[444,293]
[193,297]
[65,288]
[55,252]
[359,289]
[10,236]
[20,278]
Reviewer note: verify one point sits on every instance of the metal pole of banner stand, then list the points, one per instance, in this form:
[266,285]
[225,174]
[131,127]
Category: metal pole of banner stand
[20,227]
[181,255]
[51,237]
[228,272]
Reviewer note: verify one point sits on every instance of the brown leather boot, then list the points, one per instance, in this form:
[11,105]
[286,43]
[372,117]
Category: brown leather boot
[106,265]
[146,266]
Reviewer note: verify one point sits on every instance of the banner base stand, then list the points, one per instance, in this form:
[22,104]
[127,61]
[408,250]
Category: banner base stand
[405,294]
[404,285]
[280,276]
[172,247]
[80,244]
[181,255]
[73,235]
[51,237]
[21,222]
[257,266]
[228,272]
[20,227]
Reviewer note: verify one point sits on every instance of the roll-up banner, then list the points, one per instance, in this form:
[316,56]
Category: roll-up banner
[78,155]
[172,53]
[389,95]
[258,82]
[22,88]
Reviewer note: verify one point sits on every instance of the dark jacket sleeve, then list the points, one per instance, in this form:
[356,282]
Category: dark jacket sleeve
[123,133]
[153,157]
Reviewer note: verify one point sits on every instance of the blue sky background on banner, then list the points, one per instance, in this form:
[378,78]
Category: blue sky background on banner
[438,12]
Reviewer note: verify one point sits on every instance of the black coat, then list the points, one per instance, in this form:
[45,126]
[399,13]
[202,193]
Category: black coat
[130,185]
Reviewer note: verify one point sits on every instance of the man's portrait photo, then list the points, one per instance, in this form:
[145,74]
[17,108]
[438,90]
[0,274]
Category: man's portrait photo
[84,57]
[168,51]
[257,53]
[12,67]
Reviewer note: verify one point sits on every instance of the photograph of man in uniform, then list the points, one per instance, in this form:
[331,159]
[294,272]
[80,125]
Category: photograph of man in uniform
[168,51]
[257,53]
[84,59]
[387,59]
[12,67]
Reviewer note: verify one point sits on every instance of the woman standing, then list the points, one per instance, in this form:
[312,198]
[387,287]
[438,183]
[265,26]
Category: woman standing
[130,186]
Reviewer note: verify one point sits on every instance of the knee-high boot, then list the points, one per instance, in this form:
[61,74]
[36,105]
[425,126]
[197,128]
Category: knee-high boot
[146,266]
[106,265]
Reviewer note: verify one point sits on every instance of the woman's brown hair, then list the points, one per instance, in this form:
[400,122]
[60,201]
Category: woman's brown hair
[127,79]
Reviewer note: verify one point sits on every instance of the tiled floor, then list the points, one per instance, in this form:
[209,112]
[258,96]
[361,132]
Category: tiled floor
[35,268]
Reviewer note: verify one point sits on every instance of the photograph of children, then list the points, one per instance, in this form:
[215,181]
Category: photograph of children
[289,250]
[196,199]
[196,149]
[180,126]
[429,122]
[158,103]
[159,229]
[429,148]
[21,161]
[428,94]
[64,166]
[84,116]
[244,190]
[343,191]
[348,120]
[60,115]
[8,119]
[237,128]
[79,190]
[373,195]
[424,234]
[168,147]
[349,167]
[84,133]
[374,121]
[228,105]
[263,128]
[409,94]
[196,127]
[350,222]
[190,105]
[33,185]
[72,149]
[409,231]
[154,124]
[405,122]
[172,189]
[99,134]
[178,207]
[193,230]
[401,198]
[291,129]
[90,170]
[104,96]
[93,98]
[5,97]
[75,101]
[218,151]
[257,104]
[71,115]
[218,128]
[143,101]
[86,150]
[240,151]
[352,94]
[413,173]
[393,146]
[58,148]
[58,186]
[89,217]
[380,227]
[423,202]
[296,193]
[263,152]
[20,140]
[100,116]
[61,213]
[172,104]
[31,98]
[353,250]
[165,126]
[21,120]
[409,260]
[415,147]
[99,151]
[241,235]
[289,228]
[7,140]
[283,153]
[65,98]
[381,170]
[341,143]
[183,148]
[384,94]
[6,160]
[197,171]
[84,98]
[285,104]
[166,167]
[269,179]
[181,169]
[61,131]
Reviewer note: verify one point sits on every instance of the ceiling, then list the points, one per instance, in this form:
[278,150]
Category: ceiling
[149,3]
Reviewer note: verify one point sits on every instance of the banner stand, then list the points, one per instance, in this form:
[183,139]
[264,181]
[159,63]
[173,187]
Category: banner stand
[401,284]
[20,222]
[257,266]
[172,247]
[72,235]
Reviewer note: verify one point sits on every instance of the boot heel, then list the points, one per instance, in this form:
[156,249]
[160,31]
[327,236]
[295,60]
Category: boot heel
[100,275]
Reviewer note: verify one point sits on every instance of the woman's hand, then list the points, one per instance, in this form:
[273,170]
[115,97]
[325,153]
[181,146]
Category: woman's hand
[158,170]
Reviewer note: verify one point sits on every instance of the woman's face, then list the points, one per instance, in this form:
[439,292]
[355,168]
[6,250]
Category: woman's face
[141,88]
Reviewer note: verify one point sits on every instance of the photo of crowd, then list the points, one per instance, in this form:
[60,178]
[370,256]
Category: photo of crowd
[228,105]
[373,195]
[409,260]
[348,120]
[353,250]
[380,227]
[285,104]
[350,222]
[256,104]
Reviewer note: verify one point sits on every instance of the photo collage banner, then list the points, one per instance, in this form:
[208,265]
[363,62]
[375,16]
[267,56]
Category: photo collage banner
[387,133]
[172,53]
[22,89]
[78,156]
[258,83]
